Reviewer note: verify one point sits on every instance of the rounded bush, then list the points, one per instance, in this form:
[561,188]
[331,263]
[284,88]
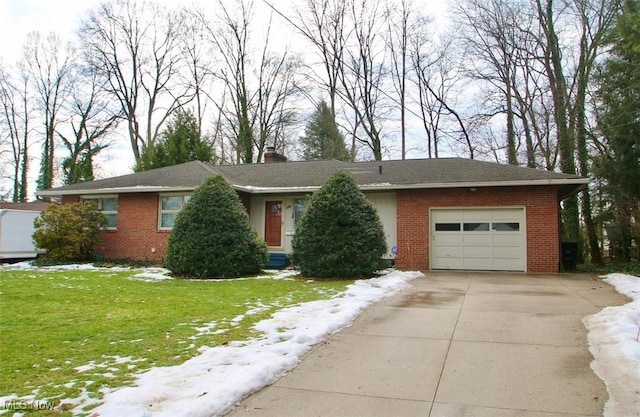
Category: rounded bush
[212,236]
[340,235]
[68,232]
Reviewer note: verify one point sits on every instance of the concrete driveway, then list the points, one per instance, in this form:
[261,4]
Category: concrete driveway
[455,345]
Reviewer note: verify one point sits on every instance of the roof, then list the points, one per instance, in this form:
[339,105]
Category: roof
[27,206]
[306,176]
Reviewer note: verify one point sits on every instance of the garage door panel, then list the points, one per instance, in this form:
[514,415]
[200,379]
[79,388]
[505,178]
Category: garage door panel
[477,252]
[449,239]
[512,239]
[486,239]
[476,239]
[448,252]
[477,263]
[506,264]
[505,251]
[449,260]
[476,215]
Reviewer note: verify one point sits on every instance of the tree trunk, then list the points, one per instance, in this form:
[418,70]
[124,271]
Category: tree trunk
[566,140]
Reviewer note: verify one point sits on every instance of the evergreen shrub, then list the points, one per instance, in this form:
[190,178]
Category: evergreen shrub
[212,236]
[340,235]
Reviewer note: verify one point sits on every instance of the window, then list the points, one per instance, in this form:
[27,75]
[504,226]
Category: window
[476,227]
[506,227]
[299,207]
[170,206]
[447,227]
[108,206]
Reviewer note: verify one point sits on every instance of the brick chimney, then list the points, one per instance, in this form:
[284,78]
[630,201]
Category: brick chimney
[271,156]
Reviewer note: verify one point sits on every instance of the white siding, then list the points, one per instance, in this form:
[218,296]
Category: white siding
[385,203]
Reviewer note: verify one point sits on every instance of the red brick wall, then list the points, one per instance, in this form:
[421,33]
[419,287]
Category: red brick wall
[137,236]
[137,229]
[541,208]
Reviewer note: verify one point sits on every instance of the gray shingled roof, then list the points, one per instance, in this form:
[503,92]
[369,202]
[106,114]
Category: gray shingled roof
[287,177]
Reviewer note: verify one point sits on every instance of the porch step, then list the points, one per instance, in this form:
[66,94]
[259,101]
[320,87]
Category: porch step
[277,261]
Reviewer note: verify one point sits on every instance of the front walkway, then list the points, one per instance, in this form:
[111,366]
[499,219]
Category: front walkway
[455,345]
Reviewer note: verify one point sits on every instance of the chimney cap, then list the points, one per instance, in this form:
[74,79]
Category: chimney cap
[271,155]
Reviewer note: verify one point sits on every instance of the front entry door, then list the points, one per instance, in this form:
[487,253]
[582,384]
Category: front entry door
[273,223]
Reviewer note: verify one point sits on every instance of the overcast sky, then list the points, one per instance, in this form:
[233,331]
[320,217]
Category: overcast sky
[20,17]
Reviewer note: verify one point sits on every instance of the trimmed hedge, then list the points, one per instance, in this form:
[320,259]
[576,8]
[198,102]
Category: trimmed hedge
[340,235]
[212,236]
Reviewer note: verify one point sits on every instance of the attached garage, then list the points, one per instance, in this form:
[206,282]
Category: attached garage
[438,214]
[490,239]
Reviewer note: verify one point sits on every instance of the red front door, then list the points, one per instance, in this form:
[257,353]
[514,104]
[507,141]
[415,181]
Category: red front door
[273,223]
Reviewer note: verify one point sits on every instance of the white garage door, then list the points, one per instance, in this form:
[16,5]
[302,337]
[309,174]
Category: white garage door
[478,239]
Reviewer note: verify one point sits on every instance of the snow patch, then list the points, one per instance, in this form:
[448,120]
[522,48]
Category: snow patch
[212,382]
[614,343]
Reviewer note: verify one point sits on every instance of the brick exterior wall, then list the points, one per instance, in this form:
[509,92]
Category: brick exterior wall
[137,233]
[542,221]
[137,236]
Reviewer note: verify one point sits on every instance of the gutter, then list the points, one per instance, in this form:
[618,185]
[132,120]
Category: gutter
[114,190]
[579,183]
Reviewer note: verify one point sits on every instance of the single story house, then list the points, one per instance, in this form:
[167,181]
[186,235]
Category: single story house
[447,213]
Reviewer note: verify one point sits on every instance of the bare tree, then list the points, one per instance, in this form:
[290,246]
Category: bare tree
[199,63]
[436,74]
[90,116]
[137,48]
[256,103]
[538,56]
[569,79]
[596,17]
[399,26]
[48,63]
[229,36]
[322,23]
[362,74]
[275,110]
[15,128]
[490,30]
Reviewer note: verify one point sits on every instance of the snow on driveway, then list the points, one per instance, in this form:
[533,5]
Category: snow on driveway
[614,342]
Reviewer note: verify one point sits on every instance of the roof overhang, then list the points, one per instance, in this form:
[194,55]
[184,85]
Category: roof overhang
[113,190]
[567,187]
[574,185]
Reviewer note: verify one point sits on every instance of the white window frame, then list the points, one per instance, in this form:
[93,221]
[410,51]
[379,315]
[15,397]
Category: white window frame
[100,198]
[161,211]
[305,206]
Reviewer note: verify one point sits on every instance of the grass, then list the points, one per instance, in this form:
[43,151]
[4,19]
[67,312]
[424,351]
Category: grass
[631,268]
[114,325]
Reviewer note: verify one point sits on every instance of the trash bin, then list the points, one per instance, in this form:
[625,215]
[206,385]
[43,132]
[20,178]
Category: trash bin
[569,255]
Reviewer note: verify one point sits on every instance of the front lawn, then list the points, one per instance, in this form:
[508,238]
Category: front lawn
[70,333]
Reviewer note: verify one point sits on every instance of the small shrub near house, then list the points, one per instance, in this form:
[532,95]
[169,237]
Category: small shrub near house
[340,235]
[68,232]
[212,236]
